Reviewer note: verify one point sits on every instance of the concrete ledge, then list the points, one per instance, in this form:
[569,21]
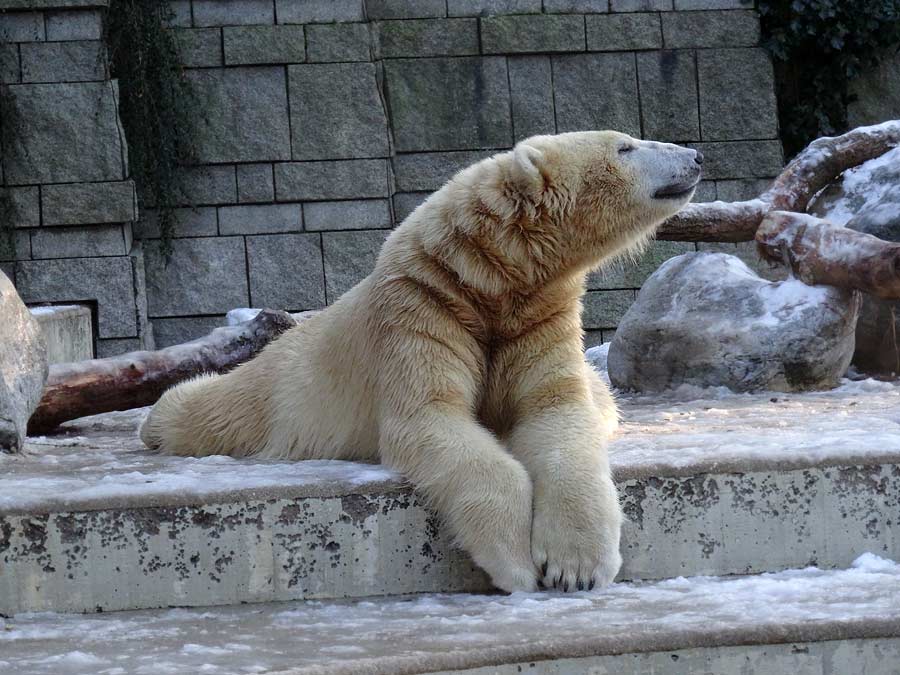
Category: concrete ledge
[729,486]
[67,332]
[790,622]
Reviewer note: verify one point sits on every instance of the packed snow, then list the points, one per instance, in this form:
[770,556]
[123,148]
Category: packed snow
[460,628]
[859,189]
[101,460]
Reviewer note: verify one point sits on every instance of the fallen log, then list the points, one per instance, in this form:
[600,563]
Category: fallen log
[821,253]
[813,169]
[137,379]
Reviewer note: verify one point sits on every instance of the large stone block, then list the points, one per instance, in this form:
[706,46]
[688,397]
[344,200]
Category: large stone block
[199,47]
[430,170]
[714,4]
[710,29]
[605,309]
[62,133]
[623,32]
[338,42]
[20,206]
[23,367]
[336,112]
[668,84]
[407,202]
[87,203]
[255,183]
[245,114]
[405,9]
[233,12]
[349,179]
[427,37]
[627,273]
[260,219]
[576,6]
[203,185]
[286,271]
[532,33]
[22,27]
[531,90]
[15,245]
[365,214]
[349,258]
[639,5]
[78,242]
[737,94]
[251,45]
[179,14]
[177,331]
[319,11]
[203,276]
[449,104]
[492,7]
[107,347]
[740,190]
[74,24]
[9,63]
[596,91]
[107,281]
[741,159]
[186,222]
[83,61]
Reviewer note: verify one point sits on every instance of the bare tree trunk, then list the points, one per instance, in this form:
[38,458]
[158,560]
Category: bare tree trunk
[821,163]
[821,253]
[137,379]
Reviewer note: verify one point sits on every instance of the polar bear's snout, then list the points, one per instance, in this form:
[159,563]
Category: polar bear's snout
[673,171]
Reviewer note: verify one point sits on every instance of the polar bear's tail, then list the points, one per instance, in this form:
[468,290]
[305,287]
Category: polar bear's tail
[207,415]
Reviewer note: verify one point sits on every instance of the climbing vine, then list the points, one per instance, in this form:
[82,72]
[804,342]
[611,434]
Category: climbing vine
[819,47]
[156,102]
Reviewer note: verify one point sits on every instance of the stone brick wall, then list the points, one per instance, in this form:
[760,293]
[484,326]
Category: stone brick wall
[325,122]
[64,168]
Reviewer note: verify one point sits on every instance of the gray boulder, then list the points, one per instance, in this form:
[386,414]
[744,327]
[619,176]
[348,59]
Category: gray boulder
[867,199]
[23,366]
[705,319]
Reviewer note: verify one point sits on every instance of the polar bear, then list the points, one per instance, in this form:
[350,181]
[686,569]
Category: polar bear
[459,361]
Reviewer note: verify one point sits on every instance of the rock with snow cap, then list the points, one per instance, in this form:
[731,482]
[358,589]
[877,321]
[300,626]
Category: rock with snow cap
[23,366]
[705,319]
[867,199]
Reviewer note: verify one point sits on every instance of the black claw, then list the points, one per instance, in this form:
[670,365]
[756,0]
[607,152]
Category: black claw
[544,570]
[557,581]
[541,584]
[580,585]
[591,585]
[566,587]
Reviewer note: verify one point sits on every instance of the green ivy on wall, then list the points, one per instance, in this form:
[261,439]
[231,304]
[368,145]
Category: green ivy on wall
[156,102]
[819,47]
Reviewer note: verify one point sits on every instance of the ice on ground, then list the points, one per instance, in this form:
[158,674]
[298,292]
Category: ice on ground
[383,631]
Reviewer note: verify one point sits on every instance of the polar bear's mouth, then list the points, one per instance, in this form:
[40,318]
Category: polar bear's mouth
[676,190]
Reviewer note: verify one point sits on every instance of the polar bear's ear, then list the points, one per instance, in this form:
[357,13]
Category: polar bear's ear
[527,162]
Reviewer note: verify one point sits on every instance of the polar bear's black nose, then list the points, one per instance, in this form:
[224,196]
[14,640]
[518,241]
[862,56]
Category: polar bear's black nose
[698,157]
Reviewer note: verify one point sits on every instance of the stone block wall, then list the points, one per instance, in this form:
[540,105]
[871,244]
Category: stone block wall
[64,184]
[325,122]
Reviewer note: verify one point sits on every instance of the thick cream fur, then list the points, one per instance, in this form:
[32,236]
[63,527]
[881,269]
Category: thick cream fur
[458,361]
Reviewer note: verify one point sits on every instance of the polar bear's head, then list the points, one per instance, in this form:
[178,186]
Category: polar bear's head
[604,192]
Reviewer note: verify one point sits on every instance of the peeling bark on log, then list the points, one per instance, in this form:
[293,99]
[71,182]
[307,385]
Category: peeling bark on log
[821,253]
[137,379]
[818,165]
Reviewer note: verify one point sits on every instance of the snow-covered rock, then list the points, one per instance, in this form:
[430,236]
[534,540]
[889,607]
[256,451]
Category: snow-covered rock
[23,366]
[867,199]
[597,356]
[706,319]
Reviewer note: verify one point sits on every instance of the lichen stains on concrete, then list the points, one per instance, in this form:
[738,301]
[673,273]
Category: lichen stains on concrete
[633,494]
[359,507]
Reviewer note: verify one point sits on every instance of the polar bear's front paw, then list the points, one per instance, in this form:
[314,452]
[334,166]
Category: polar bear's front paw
[576,545]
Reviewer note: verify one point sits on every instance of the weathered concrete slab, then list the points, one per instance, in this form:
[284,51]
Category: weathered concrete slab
[801,621]
[717,486]
[68,332]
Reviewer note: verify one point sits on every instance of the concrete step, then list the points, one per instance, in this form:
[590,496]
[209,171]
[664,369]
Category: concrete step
[741,484]
[802,621]
[68,332]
